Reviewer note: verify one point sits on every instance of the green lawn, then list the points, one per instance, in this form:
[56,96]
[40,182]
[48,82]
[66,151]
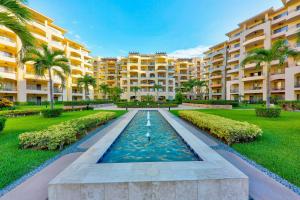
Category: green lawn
[15,162]
[279,147]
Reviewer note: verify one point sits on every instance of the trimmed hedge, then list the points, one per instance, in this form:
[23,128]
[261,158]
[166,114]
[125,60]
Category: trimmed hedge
[56,112]
[16,113]
[65,133]
[231,131]
[268,112]
[2,123]
[214,102]
[83,103]
[146,105]
[289,105]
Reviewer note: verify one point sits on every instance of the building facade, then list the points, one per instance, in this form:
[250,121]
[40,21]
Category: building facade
[222,63]
[20,83]
[144,71]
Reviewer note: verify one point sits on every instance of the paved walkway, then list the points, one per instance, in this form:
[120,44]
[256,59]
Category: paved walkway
[262,187]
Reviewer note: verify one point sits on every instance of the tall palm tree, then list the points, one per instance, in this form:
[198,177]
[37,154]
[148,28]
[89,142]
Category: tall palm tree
[14,15]
[135,89]
[156,88]
[85,82]
[104,88]
[279,51]
[199,85]
[47,61]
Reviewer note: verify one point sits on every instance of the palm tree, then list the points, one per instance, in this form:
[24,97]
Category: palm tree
[156,88]
[104,88]
[14,16]
[135,89]
[116,93]
[189,86]
[47,61]
[279,51]
[200,84]
[85,82]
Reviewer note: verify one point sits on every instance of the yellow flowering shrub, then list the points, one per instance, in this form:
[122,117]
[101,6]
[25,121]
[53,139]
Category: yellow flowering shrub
[65,133]
[229,130]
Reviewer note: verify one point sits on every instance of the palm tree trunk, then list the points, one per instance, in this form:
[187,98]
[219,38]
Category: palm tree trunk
[268,100]
[51,90]
[86,91]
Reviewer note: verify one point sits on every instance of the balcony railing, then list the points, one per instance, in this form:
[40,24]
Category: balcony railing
[33,87]
[278,88]
[234,90]
[8,88]
[297,85]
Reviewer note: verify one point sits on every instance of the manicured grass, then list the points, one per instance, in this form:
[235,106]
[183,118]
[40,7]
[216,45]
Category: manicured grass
[278,149]
[37,107]
[15,162]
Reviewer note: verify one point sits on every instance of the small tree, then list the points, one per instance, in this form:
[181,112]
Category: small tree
[47,61]
[279,51]
[85,82]
[135,89]
[199,85]
[116,93]
[104,88]
[179,97]
[189,86]
[156,88]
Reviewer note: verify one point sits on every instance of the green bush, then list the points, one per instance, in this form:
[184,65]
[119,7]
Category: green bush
[65,133]
[56,112]
[86,103]
[2,123]
[179,97]
[16,113]
[268,112]
[231,131]
[214,102]
[289,105]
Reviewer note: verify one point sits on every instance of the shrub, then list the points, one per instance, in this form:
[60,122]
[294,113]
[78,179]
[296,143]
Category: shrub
[179,97]
[65,133]
[231,131]
[214,102]
[289,105]
[86,103]
[5,103]
[268,112]
[15,113]
[2,123]
[56,112]
[146,105]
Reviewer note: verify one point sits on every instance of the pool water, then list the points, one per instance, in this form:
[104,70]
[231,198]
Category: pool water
[158,142]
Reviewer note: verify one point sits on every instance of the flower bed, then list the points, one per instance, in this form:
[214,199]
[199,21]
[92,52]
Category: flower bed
[229,130]
[214,102]
[65,133]
[145,105]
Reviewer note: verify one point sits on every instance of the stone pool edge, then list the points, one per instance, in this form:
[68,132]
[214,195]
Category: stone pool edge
[214,173]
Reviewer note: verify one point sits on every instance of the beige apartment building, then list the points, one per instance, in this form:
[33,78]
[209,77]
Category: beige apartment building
[144,71]
[20,82]
[222,63]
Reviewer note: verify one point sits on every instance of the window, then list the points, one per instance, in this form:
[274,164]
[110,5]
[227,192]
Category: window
[279,30]
[280,15]
[298,8]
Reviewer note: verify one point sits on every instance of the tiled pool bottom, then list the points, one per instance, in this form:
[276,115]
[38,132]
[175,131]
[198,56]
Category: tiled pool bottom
[157,142]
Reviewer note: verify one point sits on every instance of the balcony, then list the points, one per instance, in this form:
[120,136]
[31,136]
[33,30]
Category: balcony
[72,49]
[253,90]
[279,32]
[8,73]
[40,37]
[293,30]
[293,13]
[218,60]
[57,45]
[78,59]
[233,59]
[7,57]
[78,68]
[55,32]
[255,28]
[34,89]
[233,69]
[77,93]
[254,40]
[234,48]
[7,42]
[277,89]
[277,76]
[8,89]
[216,85]
[280,19]
[253,78]
[215,77]
[297,86]
[234,91]
[216,69]
[235,37]
[57,90]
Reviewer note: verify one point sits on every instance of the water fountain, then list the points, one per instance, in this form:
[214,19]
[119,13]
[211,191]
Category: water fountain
[148,125]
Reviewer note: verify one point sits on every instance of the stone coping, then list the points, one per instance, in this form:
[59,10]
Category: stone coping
[85,169]
[212,106]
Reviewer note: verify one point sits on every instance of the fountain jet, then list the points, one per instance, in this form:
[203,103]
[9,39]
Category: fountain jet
[148,115]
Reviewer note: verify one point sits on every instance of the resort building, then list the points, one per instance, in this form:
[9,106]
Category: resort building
[231,81]
[20,83]
[137,74]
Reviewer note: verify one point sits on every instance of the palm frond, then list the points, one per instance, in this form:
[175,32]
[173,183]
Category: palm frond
[17,9]
[64,66]
[18,28]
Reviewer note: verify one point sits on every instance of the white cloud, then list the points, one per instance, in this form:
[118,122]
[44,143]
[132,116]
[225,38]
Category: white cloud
[77,36]
[190,52]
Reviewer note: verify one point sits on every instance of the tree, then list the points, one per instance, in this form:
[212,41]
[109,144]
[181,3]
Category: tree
[116,93]
[14,15]
[47,61]
[85,82]
[135,89]
[156,88]
[279,51]
[104,88]
[199,85]
[189,86]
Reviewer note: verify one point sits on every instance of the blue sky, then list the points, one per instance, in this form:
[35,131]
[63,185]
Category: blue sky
[180,27]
